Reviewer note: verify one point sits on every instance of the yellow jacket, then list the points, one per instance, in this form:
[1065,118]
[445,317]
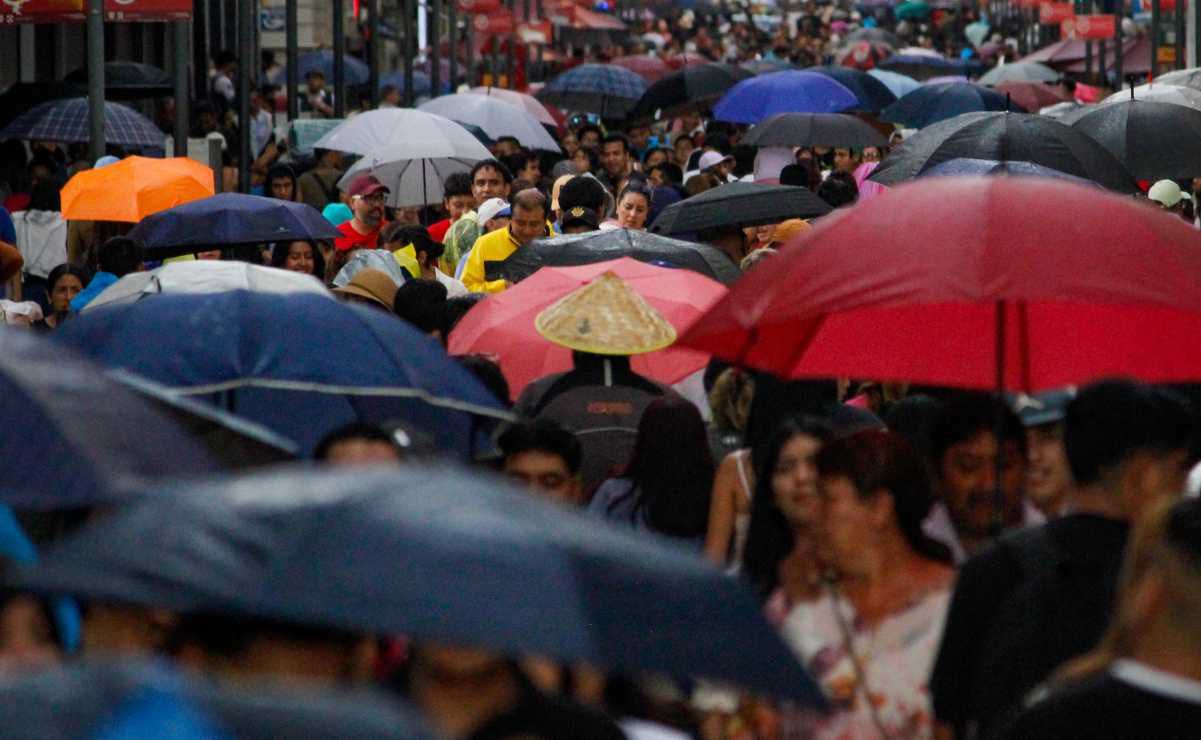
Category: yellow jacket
[493,247]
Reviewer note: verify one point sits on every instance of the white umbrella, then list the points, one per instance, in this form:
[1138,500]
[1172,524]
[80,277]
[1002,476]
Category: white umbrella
[206,276]
[1160,93]
[425,135]
[412,180]
[494,116]
[527,103]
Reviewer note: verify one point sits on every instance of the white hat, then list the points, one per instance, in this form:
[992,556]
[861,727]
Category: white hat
[710,160]
[492,208]
[1167,193]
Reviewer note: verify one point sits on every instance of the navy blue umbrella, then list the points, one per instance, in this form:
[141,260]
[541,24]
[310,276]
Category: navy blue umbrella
[967,166]
[874,96]
[608,90]
[436,553]
[923,66]
[75,437]
[355,70]
[300,365]
[226,219]
[933,103]
[69,120]
[754,99]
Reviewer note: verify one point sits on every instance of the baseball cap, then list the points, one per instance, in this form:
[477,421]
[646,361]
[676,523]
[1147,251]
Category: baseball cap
[492,208]
[366,185]
[580,216]
[1167,193]
[710,160]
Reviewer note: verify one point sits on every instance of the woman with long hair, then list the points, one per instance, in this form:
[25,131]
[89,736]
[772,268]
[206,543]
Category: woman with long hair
[299,256]
[666,486]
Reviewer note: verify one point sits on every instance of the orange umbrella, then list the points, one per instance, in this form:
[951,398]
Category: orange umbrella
[134,188]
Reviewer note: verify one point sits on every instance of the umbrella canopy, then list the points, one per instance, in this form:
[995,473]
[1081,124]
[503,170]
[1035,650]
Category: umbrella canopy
[650,68]
[1153,140]
[495,117]
[527,103]
[897,83]
[1190,78]
[873,95]
[227,219]
[69,120]
[1033,96]
[1156,93]
[1006,137]
[21,96]
[128,699]
[135,188]
[602,246]
[413,180]
[1019,72]
[1071,284]
[206,276]
[752,100]
[604,89]
[424,135]
[243,350]
[422,85]
[1065,112]
[128,80]
[694,85]
[925,66]
[814,129]
[987,167]
[875,35]
[933,103]
[739,204]
[911,11]
[81,437]
[355,70]
[483,565]
[503,324]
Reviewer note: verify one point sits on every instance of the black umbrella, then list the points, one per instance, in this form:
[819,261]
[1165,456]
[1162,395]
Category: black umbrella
[1005,137]
[692,86]
[129,80]
[1154,140]
[739,204]
[439,554]
[601,246]
[814,129]
[874,96]
[937,102]
[148,699]
[75,437]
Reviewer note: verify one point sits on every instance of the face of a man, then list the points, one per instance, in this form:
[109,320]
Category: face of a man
[281,188]
[1048,476]
[845,160]
[546,474]
[527,224]
[615,158]
[368,209]
[967,484]
[532,172]
[488,183]
[457,205]
[590,139]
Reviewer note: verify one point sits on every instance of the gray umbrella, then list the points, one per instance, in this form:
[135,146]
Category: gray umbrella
[739,204]
[1019,72]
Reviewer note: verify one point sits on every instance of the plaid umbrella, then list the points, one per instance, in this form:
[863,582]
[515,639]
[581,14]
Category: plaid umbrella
[68,121]
[605,89]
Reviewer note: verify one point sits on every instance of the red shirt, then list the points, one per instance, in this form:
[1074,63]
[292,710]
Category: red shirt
[352,239]
[438,230]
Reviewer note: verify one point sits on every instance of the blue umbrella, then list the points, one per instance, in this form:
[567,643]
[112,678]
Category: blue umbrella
[421,82]
[933,103]
[754,99]
[300,365]
[74,435]
[923,66]
[608,90]
[322,60]
[991,167]
[226,219]
[873,95]
[437,553]
[899,84]
[69,120]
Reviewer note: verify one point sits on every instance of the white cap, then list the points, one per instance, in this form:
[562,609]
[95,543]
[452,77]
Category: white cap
[709,160]
[1167,193]
[492,208]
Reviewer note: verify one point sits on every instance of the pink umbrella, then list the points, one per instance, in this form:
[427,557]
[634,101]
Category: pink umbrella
[867,188]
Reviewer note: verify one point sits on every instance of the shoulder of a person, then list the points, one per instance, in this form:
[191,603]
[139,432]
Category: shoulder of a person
[1066,710]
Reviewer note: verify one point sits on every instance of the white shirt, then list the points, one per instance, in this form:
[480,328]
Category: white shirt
[454,288]
[1156,681]
[260,132]
[41,239]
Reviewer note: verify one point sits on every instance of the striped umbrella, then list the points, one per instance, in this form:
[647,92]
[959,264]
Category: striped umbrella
[605,89]
[68,120]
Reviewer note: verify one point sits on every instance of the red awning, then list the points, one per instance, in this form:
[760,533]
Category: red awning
[41,11]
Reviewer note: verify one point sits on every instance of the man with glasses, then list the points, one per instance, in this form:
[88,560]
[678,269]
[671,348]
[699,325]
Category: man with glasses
[367,197]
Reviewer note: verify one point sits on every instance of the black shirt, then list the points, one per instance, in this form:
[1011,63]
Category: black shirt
[1021,608]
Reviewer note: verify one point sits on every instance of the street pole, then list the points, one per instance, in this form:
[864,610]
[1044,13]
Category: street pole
[339,59]
[435,42]
[200,49]
[469,48]
[1155,38]
[96,77]
[1179,45]
[181,33]
[452,59]
[406,49]
[373,50]
[292,60]
[246,66]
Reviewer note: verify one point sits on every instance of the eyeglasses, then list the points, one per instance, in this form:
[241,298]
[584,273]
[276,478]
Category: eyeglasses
[374,198]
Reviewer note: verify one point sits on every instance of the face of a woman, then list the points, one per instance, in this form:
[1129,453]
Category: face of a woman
[66,288]
[582,163]
[300,258]
[656,157]
[632,210]
[847,522]
[683,147]
[794,481]
[570,144]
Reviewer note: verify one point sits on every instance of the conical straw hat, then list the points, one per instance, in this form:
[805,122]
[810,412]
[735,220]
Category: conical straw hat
[605,317]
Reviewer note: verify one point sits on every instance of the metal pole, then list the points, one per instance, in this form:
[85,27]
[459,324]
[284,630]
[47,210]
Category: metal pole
[494,61]
[452,57]
[469,48]
[1155,38]
[406,48]
[181,34]
[246,67]
[339,60]
[200,49]
[292,58]
[373,50]
[435,42]
[96,77]
[1119,55]
[1179,17]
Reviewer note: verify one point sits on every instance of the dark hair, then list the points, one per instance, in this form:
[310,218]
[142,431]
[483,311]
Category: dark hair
[799,175]
[839,189]
[519,159]
[913,419]
[489,374]
[594,162]
[457,308]
[617,137]
[120,256]
[1109,421]
[280,171]
[719,142]
[542,435]
[769,538]
[224,57]
[672,469]
[510,139]
[232,635]
[65,269]
[600,135]
[352,431]
[638,186]
[530,199]
[418,236]
[44,197]
[875,460]
[671,172]
[456,183]
[582,192]
[484,164]
[422,303]
[966,414]
[279,257]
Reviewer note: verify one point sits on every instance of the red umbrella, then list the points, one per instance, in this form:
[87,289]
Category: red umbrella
[686,59]
[503,324]
[949,280]
[651,69]
[1033,95]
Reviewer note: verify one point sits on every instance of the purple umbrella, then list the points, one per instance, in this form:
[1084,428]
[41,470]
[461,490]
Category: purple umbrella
[753,100]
